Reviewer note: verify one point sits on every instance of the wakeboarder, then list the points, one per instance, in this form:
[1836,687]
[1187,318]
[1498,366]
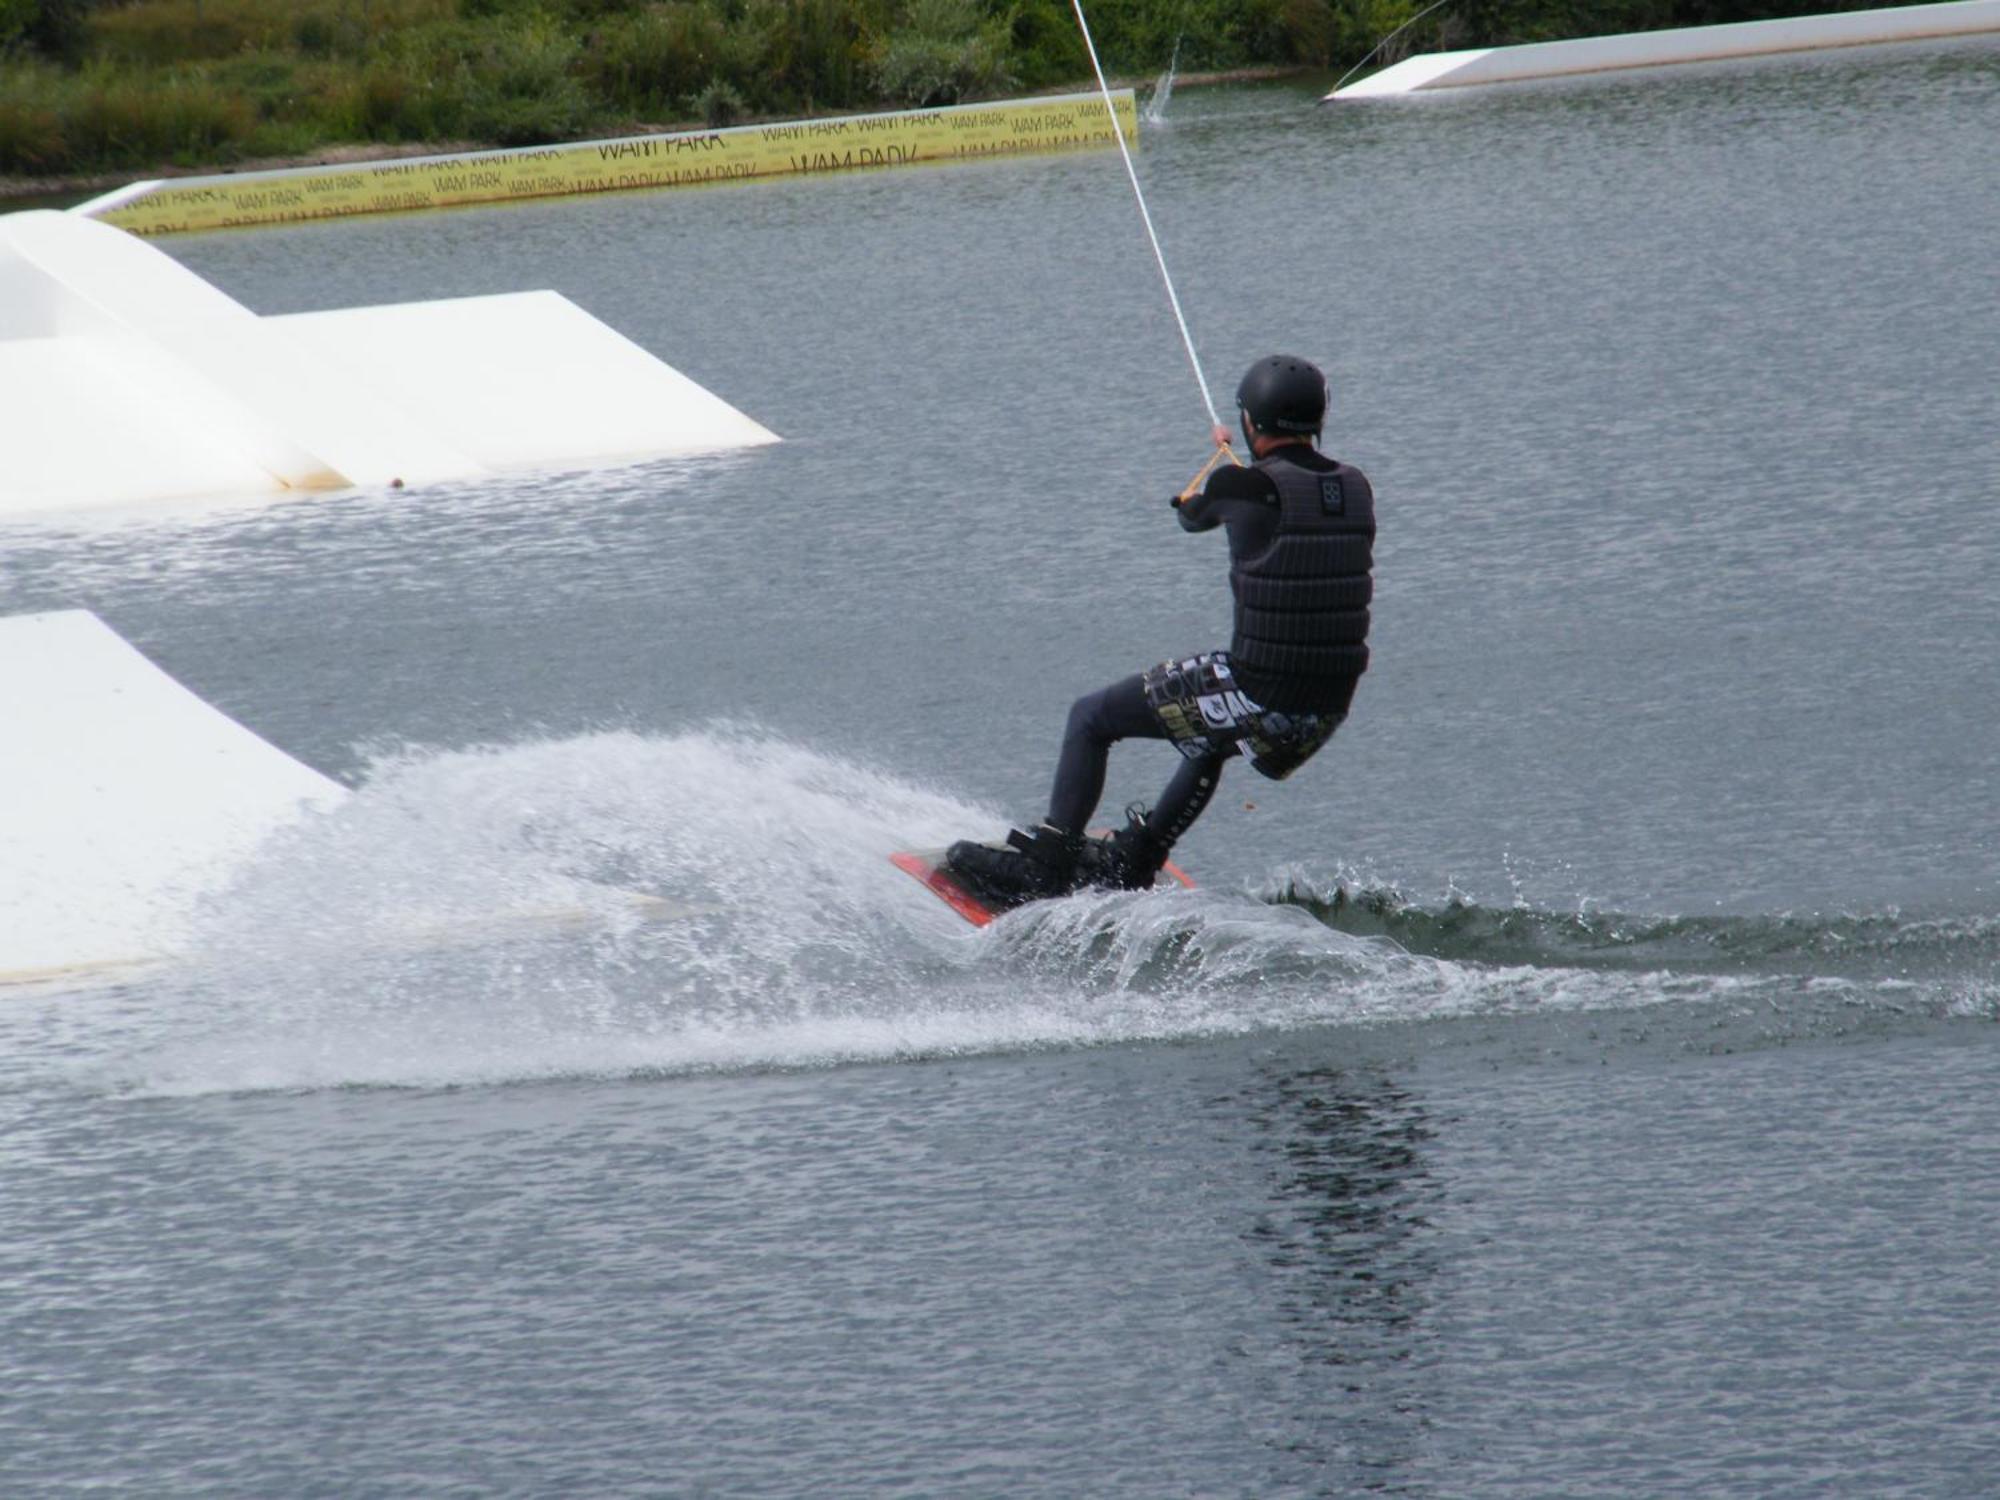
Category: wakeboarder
[1301,530]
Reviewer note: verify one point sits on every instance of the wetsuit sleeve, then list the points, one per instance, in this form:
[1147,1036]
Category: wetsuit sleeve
[1227,495]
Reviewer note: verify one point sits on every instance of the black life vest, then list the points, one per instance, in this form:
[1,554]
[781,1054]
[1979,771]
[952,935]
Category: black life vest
[1301,638]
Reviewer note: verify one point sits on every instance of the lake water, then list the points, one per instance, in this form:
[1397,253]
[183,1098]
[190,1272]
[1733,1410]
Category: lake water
[1579,1080]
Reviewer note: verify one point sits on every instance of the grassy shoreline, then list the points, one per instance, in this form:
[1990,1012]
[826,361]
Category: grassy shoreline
[18,191]
[94,93]
[133,87]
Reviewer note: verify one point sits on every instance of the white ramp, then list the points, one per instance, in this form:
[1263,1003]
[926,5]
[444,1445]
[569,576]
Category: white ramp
[1649,49]
[127,378]
[127,797]
[588,394]
[65,397]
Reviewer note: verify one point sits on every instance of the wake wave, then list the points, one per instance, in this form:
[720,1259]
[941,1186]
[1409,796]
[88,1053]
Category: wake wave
[618,904]
[1873,945]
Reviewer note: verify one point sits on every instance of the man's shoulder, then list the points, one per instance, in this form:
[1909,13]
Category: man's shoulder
[1240,482]
[1309,459]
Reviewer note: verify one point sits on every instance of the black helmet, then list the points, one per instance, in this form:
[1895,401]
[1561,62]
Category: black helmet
[1282,393]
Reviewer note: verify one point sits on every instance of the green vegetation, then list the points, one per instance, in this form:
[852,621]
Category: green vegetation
[100,86]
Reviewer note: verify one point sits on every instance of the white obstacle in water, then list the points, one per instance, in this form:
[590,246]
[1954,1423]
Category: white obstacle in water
[127,798]
[127,378]
[129,802]
[1648,49]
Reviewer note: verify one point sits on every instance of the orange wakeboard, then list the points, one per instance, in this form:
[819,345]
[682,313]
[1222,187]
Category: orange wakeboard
[978,907]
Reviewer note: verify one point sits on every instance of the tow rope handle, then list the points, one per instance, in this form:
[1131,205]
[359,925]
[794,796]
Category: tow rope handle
[1222,451]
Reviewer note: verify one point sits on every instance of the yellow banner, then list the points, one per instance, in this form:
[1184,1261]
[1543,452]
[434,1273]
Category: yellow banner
[857,142]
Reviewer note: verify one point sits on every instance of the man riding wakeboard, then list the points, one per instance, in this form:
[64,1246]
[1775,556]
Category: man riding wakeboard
[1301,530]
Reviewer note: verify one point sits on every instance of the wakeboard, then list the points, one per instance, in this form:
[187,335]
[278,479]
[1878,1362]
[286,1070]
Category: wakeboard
[977,904]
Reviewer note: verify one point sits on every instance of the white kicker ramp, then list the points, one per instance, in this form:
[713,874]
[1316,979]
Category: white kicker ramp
[1648,49]
[127,378]
[127,798]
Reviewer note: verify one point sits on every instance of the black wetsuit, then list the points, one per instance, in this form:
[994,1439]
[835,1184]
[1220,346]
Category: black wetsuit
[1297,703]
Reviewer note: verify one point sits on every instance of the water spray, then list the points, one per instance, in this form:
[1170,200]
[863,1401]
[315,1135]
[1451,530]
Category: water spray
[1156,108]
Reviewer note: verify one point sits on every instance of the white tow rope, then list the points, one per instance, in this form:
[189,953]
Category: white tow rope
[1159,256]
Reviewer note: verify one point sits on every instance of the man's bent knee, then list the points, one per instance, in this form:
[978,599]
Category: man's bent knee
[1091,718]
[1085,718]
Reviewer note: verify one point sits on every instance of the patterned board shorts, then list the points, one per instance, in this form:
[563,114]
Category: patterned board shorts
[1205,713]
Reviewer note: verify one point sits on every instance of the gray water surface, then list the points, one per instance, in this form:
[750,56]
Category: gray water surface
[1579,1080]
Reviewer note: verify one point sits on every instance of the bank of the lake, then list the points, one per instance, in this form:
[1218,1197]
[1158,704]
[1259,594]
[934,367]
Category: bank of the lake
[97,93]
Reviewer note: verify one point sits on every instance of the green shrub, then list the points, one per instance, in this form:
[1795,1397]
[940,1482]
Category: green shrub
[805,54]
[1508,22]
[285,138]
[32,142]
[1139,35]
[54,28]
[163,32]
[16,16]
[643,64]
[1047,47]
[528,60]
[498,120]
[718,105]
[166,32]
[944,52]
[116,119]
[398,102]
[317,34]
[1360,25]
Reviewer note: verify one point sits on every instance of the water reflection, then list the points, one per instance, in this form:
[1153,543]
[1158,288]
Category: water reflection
[1345,1234]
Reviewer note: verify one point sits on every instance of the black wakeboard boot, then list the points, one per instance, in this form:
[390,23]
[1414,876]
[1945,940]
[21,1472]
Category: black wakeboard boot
[1130,858]
[1033,866]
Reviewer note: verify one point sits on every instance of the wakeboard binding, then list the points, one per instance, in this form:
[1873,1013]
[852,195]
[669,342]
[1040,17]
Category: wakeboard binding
[1033,865]
[1045,862]
[1128,859]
